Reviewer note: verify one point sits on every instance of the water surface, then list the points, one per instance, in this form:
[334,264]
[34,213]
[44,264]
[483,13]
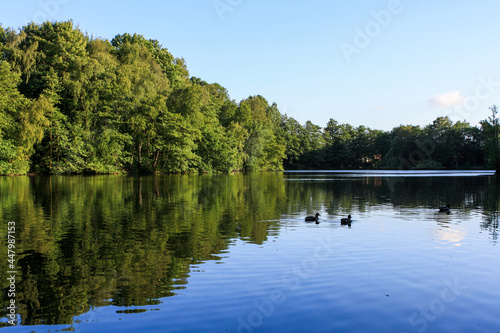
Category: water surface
[202,253]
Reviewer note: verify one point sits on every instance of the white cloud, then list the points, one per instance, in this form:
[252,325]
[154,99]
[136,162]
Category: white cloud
[378,108]
[446,100]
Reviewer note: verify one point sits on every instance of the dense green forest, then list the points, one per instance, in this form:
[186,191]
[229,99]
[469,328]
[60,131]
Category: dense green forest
[72,103]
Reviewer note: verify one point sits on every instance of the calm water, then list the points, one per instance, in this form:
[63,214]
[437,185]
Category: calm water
[232,253]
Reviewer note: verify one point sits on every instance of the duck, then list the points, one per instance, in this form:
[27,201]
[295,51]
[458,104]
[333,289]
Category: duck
[445,209]
[313,218]
[346,220]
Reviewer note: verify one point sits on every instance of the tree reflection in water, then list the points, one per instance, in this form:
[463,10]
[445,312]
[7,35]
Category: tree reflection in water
[87,242]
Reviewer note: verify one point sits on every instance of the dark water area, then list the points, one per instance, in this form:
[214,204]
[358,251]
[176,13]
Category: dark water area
[232,253]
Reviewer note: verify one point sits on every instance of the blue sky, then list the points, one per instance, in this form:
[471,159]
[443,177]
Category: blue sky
[373,63]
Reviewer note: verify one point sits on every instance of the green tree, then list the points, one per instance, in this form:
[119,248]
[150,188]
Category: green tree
[264,149]
[313,144]
[291,131]
[22,123]
[339,140]
[174,68]
[490,129]
[404,152]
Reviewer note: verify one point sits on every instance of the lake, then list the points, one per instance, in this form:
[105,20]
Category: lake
[232,253]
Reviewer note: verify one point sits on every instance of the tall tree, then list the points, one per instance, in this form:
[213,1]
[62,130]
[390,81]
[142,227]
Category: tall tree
[291,132]
[22,123]
[491,131]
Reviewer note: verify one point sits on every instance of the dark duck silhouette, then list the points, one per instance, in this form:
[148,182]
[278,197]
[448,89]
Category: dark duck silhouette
[445,209]
[314,218]
[346,220]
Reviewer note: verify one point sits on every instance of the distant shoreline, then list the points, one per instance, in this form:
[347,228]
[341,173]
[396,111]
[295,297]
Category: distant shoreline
[367,172]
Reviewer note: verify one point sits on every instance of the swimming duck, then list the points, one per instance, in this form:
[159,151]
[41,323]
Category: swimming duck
[346,220]
[445,209]
[313,218]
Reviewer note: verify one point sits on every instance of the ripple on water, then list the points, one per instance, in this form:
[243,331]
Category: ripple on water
[400,266]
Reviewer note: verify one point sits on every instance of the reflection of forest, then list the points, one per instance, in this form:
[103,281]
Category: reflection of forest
[93,241]
[84,242]
[361,193]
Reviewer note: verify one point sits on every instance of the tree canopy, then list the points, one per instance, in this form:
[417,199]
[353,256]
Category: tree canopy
[71,103]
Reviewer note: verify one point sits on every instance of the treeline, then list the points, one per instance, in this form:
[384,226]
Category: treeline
[440,145]
[72,103]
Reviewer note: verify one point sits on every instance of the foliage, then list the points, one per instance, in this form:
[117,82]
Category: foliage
[22,123]
[442,144]
[70,103]
[490,129]
[85,105]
